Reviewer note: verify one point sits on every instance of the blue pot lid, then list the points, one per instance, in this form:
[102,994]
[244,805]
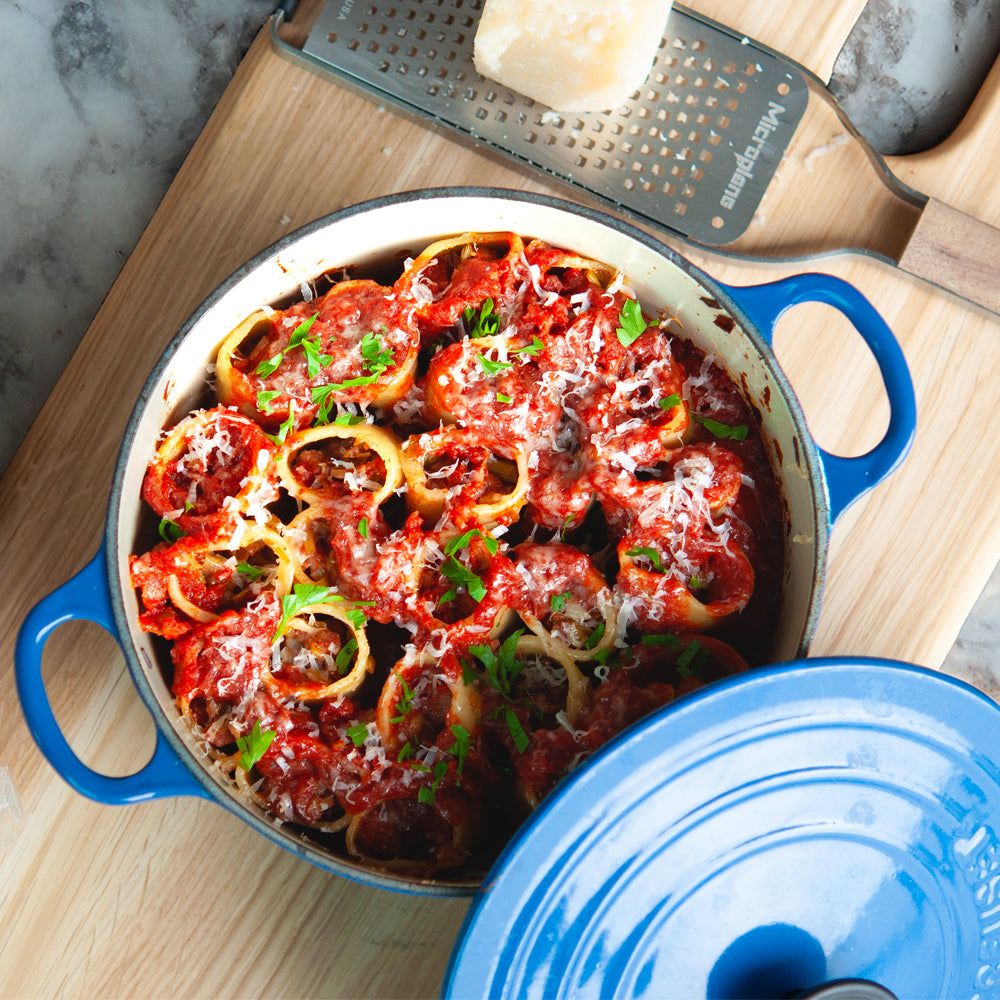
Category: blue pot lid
[802,824]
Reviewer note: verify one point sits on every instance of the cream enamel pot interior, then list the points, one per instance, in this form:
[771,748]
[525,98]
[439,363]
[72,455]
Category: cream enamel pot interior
[736,323]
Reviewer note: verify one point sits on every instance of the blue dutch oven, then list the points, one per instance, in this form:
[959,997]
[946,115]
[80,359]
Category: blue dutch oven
[736,324]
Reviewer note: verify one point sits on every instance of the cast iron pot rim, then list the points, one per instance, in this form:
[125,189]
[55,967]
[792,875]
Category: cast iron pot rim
[324,859]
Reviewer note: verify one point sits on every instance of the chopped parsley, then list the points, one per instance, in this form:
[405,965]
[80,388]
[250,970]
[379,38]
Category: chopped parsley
[286,426]
[453,545]
[667,639]
[310,347]
[603,657]
[558,601]
[481,322]
[254,745]
[493,367]
[354,615]
[405,704]
[461,576]
[649,553]
[353,383]
[501,666]
[304,595]
[737,432]
[535,347]
[595,637]
[669,402]
[426,793]
[358,733]
[249,571]
[516,730]
[363,527]
[346,654]
[693,657]
[608,660]
[266,398]
[321,396]
[460,750]
[631,324]
[314,360]
[270,365]
[170,531]
[299,334]
[377,357]
[502,397]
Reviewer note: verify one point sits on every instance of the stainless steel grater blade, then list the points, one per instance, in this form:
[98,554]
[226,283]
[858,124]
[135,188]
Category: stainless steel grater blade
[692,151]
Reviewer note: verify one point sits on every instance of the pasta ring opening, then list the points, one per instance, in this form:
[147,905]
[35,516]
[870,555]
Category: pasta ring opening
[324,463]
[449,469]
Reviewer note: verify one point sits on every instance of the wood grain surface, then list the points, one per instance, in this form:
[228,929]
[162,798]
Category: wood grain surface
[955,251]
[179,898]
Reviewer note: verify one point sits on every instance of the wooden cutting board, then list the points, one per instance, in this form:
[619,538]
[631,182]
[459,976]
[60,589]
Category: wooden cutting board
[178,897]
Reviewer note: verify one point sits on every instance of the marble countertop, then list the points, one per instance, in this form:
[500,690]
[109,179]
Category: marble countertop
[103,99]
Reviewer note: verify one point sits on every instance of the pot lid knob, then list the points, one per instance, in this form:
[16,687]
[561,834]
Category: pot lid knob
[779,960]
[847,989]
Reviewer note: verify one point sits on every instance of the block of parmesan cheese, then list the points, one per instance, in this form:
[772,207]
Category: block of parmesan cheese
[573,55]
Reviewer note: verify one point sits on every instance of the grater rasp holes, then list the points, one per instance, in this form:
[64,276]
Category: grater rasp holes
[666,154]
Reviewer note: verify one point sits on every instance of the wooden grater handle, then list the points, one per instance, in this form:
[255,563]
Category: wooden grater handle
[956,252]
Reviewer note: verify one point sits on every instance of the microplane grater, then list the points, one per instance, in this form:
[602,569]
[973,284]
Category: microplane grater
[693,150]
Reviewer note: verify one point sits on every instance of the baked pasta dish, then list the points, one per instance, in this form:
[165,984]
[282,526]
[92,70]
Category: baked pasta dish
[437,536]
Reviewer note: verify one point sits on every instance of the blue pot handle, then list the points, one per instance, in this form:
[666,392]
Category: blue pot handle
[847,478]
[86,597]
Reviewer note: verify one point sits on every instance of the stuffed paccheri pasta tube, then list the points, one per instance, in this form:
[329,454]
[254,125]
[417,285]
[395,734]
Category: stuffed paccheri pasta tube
[434,542]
